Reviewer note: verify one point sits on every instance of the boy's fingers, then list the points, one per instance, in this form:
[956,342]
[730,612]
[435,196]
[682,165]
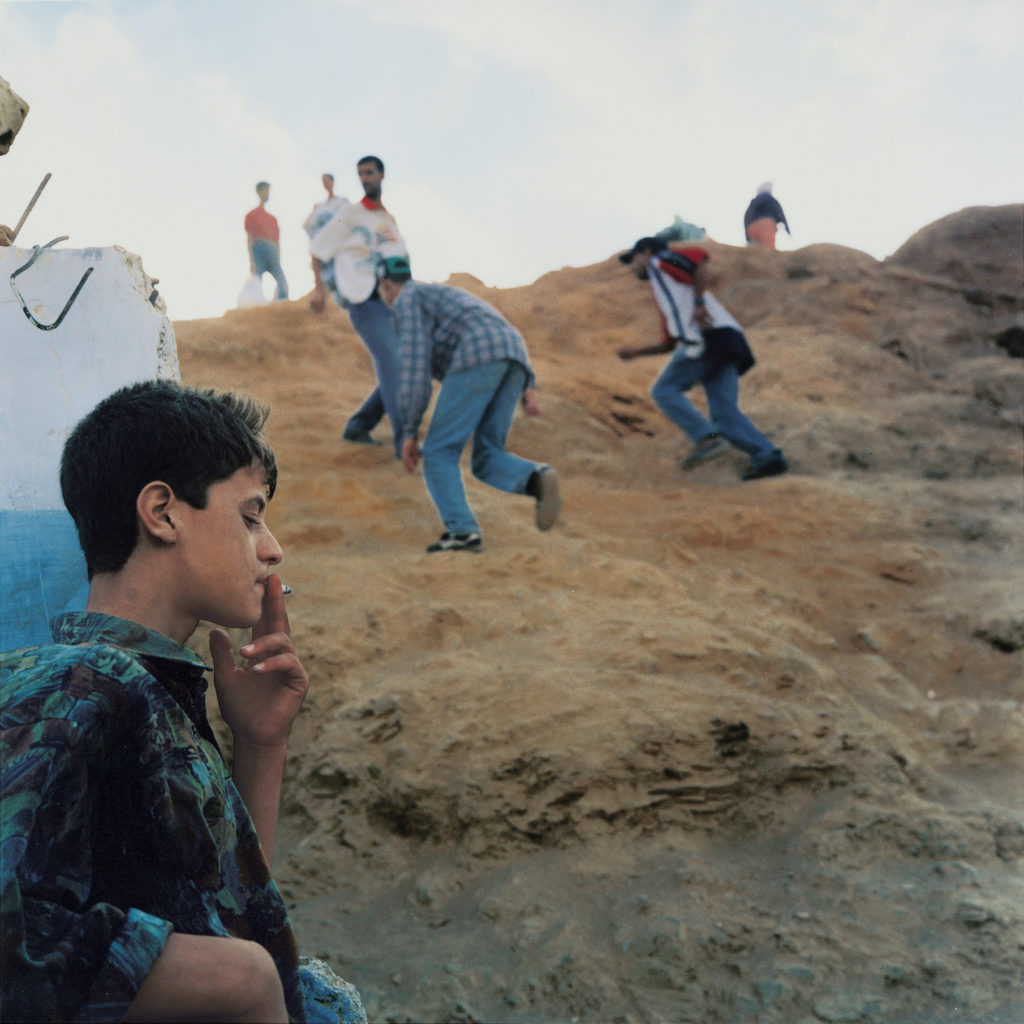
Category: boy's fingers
[287,664]
[268,645]
[220,651]
[275,615]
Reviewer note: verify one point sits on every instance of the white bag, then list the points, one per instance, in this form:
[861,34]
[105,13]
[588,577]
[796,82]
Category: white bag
[252,293]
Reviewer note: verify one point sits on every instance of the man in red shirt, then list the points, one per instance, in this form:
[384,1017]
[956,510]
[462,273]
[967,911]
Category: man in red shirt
[264,237]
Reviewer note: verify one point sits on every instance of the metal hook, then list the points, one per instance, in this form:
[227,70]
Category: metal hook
[36,251]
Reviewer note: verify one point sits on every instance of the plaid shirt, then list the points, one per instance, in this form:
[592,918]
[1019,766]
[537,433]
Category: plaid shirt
[120,824]
[446,330]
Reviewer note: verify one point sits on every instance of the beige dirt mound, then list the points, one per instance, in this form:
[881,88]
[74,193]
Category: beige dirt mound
[707,750]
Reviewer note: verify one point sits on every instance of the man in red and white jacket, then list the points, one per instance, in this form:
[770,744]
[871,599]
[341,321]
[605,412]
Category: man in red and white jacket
[708,348]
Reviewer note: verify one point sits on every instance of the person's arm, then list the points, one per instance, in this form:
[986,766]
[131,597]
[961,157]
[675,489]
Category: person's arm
[627,352]
[784,222]
[324,246]
[249,239]
[63,953]
[530,404]
[259,702]
[410,453]
[414,376]
[211,978]
[666,344]
[318,299]
[701,284]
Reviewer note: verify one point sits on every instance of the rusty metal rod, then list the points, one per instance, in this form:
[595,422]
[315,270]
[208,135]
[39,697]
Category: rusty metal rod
[28,209]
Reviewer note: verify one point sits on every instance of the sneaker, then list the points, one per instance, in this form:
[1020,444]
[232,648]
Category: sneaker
[770,467]
[456,542]
[706,448]
[364,438]
[549,501]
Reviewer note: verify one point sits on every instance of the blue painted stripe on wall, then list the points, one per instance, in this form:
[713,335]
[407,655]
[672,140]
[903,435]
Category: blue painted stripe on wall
[42,573]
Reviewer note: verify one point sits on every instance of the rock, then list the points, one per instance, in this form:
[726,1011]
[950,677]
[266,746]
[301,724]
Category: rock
[13,111]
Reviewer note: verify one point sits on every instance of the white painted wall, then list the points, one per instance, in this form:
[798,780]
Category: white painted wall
[112,335]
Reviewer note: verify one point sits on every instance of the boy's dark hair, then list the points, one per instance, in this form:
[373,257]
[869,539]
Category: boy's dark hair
[372,160]
[155,430]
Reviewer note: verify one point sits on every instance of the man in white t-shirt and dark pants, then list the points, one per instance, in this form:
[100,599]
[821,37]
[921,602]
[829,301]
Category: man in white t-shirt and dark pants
[358,240]
[707,347]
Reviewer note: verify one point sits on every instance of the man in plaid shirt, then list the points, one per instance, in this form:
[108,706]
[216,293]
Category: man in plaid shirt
[481,361]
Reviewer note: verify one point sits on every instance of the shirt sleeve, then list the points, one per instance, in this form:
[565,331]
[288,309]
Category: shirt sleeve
[64,958]
[333,236]
[414,337]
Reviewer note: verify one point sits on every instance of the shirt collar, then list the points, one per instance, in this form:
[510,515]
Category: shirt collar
[95,627]
[371,204]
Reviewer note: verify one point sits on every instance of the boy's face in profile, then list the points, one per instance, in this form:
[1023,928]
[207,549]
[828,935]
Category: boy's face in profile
[227,551]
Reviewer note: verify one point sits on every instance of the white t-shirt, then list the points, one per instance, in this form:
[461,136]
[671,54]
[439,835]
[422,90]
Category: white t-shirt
[358,240]
[323,213]
[676,301]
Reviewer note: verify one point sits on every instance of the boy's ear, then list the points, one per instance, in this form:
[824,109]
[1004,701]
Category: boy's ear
[155,506]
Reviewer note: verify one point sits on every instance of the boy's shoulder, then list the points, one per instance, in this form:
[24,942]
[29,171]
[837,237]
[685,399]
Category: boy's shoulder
[96,661]
[58,680]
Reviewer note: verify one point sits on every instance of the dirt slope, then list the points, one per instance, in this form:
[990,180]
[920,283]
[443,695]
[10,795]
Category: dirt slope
[707,750]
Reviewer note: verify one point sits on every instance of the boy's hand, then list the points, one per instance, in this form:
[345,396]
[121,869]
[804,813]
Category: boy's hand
[259,701]
[410,453]
[530,404]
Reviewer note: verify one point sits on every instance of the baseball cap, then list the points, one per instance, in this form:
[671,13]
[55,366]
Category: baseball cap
[396,266]
[649,243]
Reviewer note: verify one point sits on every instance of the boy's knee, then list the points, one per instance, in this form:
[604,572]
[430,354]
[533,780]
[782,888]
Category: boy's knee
[661,392]
[253,986]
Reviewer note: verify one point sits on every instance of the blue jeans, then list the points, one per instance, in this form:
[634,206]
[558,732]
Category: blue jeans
[480,402]
[722,390]
[374,324]
[266,259]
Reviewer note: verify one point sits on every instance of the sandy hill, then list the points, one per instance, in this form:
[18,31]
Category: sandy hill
[707,750]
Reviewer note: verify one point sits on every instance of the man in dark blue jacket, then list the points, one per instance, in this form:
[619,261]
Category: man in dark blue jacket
[763,215]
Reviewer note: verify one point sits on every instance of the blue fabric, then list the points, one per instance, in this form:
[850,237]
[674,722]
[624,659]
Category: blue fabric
[327,998]
[480,402]
[721,386]
[266,259]
[42,573]
[373,322]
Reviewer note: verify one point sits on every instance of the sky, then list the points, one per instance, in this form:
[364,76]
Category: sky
[518,138]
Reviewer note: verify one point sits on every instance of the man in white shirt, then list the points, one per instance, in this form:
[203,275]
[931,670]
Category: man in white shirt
[708,347]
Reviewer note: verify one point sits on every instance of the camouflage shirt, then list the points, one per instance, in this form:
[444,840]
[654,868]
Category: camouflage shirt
[119,824]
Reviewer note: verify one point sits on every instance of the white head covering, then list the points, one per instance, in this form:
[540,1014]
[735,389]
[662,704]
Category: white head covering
[765,186]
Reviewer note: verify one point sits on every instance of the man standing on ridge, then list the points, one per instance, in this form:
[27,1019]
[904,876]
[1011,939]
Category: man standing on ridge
[322,214]
[325,210]
[358,239]
[762,216]
[708,348]
[263,237]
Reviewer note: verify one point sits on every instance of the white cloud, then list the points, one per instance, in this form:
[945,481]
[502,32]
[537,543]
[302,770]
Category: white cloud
[519,137]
